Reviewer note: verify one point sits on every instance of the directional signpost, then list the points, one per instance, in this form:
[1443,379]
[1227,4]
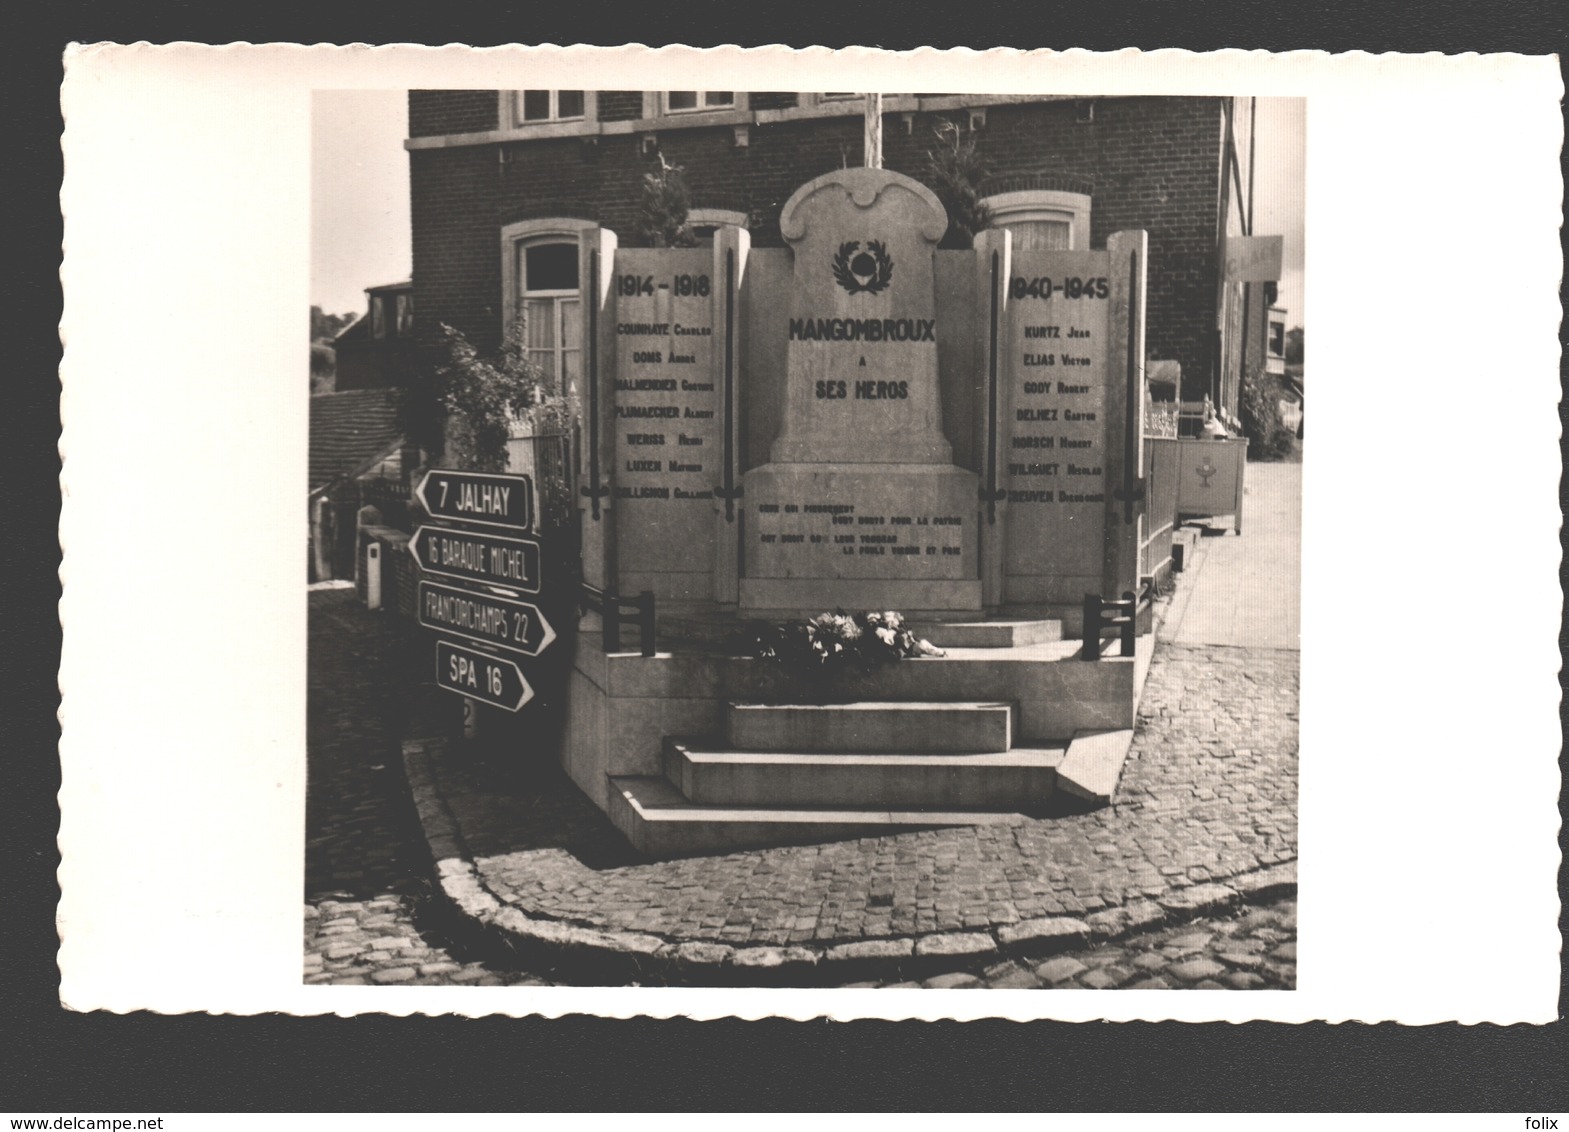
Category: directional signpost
[501,621]
[478,557]
[501,556]
[493,679]
[488,499]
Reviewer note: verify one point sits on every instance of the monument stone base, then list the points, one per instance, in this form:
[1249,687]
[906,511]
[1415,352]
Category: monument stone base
[653,741]
[860,536]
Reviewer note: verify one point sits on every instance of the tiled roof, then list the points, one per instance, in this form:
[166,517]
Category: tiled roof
[348,430]
[359,328]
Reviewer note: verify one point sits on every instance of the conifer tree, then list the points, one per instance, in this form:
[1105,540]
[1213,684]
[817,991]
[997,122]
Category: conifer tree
[956,175]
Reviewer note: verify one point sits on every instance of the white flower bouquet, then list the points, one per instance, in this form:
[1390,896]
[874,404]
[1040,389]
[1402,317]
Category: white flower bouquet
[825,648]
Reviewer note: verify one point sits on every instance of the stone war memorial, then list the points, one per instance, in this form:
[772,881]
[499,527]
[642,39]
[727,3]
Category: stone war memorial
[858,422]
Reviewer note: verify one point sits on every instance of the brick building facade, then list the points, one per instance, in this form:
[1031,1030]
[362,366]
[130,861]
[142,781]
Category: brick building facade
[496,174]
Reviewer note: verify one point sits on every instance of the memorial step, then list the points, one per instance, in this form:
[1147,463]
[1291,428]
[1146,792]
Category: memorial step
[706,774]
[1093,763]
[705,629]
[868,726]
[988,634]
[660,821]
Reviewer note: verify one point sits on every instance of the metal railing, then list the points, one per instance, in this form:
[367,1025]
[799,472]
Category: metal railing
[1121,614]
[611,608]
[393,498]
[550,457]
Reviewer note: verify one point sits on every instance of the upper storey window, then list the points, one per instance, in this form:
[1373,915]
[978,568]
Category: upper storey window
[531,107]
[392,315]
[694,101]
[847,101]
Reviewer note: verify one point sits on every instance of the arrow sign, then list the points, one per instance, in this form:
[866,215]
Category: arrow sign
[491,500]
[478,557]
[492,679]
[515,625]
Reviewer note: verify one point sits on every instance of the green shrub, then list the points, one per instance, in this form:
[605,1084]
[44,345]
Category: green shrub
[663,206]
[955,174]
[1259,407]
[484,394]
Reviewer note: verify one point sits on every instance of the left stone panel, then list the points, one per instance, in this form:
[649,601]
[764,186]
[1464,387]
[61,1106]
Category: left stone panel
[668,441]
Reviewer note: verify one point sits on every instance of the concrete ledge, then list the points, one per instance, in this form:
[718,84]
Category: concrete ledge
[872,726]
[1139,915]
[1023,778]
[988,634]
[775,966]
[1208,896]
[1093,764]
[866,959]
[1266,884]
[797,597]
[660,821]
[620,706]
[1044,936]
[952,944]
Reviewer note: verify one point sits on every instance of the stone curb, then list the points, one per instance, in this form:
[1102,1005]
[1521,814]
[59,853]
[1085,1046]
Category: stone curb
[615,958]
[1175,608]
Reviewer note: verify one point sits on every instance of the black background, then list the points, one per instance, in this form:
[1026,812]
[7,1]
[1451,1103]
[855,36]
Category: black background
[58,1062]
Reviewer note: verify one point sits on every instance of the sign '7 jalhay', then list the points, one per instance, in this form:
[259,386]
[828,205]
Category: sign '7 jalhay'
[489,499]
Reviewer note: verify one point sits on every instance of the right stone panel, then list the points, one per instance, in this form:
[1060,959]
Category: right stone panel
[1053,368]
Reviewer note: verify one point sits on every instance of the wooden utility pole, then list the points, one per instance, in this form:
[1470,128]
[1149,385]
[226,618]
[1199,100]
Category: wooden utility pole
[874,131]
[1247,219]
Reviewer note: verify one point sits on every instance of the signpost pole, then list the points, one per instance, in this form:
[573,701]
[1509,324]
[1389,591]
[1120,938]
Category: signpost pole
[874,131]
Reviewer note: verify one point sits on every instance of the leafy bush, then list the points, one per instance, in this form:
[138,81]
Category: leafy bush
[324,367]
[1259,408]
[484,395]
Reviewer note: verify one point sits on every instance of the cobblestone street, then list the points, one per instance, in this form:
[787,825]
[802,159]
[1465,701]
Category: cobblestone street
[380,941]
[1210,788]
[368,896]
[1209,792]
[1253,950]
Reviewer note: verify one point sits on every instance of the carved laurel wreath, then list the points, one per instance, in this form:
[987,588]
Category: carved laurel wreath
[875,281]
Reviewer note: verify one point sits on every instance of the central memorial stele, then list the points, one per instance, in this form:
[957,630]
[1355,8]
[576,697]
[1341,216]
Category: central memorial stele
[860,505]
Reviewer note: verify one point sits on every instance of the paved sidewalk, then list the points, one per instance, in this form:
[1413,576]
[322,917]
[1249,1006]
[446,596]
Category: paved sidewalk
[369,914]
[1248,590]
